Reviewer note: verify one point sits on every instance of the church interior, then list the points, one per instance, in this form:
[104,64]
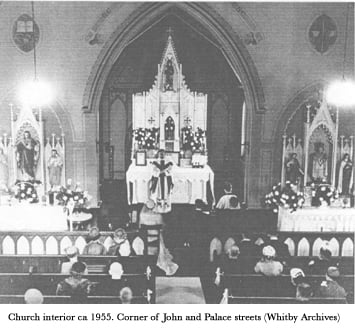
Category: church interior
[177,152]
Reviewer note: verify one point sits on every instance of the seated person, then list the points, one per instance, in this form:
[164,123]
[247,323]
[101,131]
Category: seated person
[267,265]
[225,201]
[121,246]
[72,253]
[33,296]
[280,247]
[116,271]
[75,286]
[303,290]
[148,216]
[94,246]
[330,288]
[321,264]
[126,295]
[231,263]
[247,247]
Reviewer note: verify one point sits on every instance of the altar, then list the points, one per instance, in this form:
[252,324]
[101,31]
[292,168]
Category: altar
[317,219]
[32,218]
[189,184]
[169,160]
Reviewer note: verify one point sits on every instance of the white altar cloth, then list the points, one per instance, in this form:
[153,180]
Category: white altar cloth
[32,217]
[189,184]
[317,219]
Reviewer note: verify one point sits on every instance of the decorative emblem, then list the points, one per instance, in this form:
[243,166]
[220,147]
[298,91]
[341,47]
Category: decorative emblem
[322,33]
[24,32]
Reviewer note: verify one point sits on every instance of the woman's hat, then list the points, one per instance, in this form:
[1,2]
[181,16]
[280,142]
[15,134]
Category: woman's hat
[94,234]
[119,234]
[71,251]
[33,296]
[150,204]
[78,268]
[116,271]
[269,251]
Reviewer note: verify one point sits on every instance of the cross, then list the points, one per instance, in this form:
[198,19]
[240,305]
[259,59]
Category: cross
[151,120]
[169,31]
[187,121]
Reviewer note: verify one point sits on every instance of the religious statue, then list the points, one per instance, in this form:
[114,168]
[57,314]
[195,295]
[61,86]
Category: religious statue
[4,171]
[27,155]
[169,76]
[345,178]
[162,182]
[319,164]
[293,169]
[55,166]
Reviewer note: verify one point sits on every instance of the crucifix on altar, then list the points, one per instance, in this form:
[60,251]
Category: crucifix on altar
[171,119]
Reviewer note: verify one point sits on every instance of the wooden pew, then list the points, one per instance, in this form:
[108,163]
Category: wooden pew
[253,285]
[19,299]
[47,283]
[345,264]
[52,263]
[282,300]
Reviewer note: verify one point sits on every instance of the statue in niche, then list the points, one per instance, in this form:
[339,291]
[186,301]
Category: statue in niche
[4,171]
[293,169]
[345,177]
[169,76]
[27,155]
[55,166]
[319,164]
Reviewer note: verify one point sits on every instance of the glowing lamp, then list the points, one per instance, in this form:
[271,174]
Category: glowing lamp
[341,93]
[35,94]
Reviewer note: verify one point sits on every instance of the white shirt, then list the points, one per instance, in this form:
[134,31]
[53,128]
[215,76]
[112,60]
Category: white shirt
[224,203]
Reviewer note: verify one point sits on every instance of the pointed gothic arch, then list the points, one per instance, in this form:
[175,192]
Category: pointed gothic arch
[205,21]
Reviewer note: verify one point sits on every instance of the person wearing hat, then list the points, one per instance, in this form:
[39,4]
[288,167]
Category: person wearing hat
[330,288]
[281,248]
[116,271]
[126,295]
[121,246]
[94,246]
[303,289]
[33,296]
[247,247]
[148,216]
[75,286]
[320,265]
[72,253]
[268,266]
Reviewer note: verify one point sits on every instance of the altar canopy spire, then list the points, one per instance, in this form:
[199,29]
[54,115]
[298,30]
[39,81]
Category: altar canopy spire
[159,115]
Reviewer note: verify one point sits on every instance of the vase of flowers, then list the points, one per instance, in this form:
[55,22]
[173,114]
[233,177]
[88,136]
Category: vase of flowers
[73,198]
[287,197]
[26,192]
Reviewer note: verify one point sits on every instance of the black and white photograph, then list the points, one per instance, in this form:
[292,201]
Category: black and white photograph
[177,153]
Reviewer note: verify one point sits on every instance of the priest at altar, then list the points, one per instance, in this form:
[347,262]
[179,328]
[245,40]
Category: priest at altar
[172,119]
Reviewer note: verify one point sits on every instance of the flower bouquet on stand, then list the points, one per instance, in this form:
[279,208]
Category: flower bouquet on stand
[26,191]
[287,197]
[73,198]
[324,194]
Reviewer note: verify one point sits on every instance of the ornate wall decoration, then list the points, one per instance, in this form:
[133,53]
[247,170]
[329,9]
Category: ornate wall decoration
[24,32]
[322,33]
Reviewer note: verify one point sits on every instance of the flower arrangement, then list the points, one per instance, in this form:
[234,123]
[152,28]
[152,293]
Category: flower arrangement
[146,137]
[324,194]
[26,191]
[286,197]
[192,140]
[73,198]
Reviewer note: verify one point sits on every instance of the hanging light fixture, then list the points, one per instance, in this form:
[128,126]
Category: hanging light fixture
[342,92]
[35,93]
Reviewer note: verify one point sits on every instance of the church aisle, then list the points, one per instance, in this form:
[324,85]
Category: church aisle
[179,290]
